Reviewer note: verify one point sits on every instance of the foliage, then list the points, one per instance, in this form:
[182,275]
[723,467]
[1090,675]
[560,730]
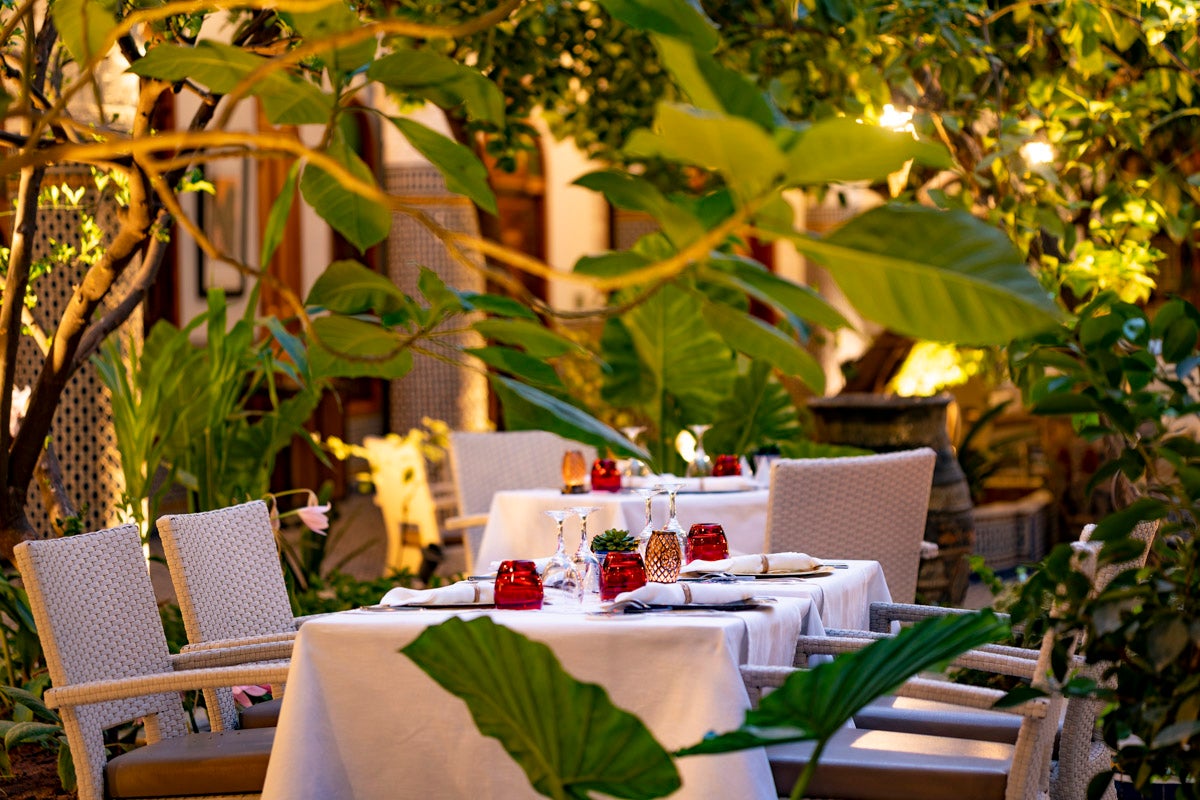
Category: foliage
[508,674]
[1125,374]
[614,540]
[587,745]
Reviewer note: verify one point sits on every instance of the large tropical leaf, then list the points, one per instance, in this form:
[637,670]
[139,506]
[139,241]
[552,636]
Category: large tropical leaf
[757,339]
[680,19]
[348,287]
[839,149]
[939,275]
[759,412]
[84,26]
[464,173]
[813,704]
[442,81]
[363,222]
[536,340]
[287,100]
[713,87]
[586,745]
[353,348]
[330,19]
[739,150]
[520,365]
[800,303]
[636,193]
[529,409]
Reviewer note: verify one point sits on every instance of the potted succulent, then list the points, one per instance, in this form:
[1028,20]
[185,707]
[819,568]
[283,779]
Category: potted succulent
[613,540]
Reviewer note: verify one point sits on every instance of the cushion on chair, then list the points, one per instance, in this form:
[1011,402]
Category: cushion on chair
[909,715]
[225,762]
[884,765]
[261,715]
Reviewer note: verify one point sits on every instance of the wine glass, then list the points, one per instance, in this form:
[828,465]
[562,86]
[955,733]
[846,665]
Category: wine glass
[647,493]
[636,468]
[701,465]
[560,579]
[586,563]
[673,525]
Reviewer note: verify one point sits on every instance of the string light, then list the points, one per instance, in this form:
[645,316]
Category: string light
[1037,153]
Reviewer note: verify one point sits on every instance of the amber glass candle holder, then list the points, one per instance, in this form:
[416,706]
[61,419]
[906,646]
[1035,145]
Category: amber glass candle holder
[574,473]
[706,542]
[518,586]
[663,558]
[727,465]
[605,476]
[621,572]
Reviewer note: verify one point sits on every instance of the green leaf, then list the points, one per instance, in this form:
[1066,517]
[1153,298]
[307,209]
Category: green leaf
[278,218]
[1165,641]
[1065,403]
[66,768]
[84,26]
[442,81]
[756,339]
[495,304]
[758,412]
[347,287]
[609,265]
[352,348]
[536,339]
[838,149]
[529,409]
[805,448]
[815,703]
[791,298]
[529,369]
[287,99]
[939,275]
[586,745]
[739,150]
[464,173]
[334,18]
[713,87]
[680,19]
[362,221]
[635,193]
[18,696]
[24,732]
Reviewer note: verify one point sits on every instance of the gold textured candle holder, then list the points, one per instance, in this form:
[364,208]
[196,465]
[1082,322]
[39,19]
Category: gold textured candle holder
[663,558]
[574,472]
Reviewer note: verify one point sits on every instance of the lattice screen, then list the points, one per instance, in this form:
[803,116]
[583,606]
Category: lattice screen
[434,388]
[82,429]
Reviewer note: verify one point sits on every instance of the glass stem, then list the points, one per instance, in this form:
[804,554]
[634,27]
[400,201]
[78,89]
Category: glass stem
[562,544]
[649,513]
[672,505]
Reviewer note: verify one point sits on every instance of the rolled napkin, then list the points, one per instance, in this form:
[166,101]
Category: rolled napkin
[757,564]
[677,594]
[454,594]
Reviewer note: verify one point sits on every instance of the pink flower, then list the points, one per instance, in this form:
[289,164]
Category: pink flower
[242,694]
[315,517]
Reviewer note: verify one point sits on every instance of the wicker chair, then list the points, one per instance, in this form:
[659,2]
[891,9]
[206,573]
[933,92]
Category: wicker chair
[869,507]
[861,764]
[228,579]
[107,655]
[482,464]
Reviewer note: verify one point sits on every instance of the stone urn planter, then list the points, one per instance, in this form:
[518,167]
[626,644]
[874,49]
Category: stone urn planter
[886,423]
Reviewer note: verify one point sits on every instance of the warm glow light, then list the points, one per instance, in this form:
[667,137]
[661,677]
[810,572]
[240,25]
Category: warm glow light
[685,445]
[897,120]
[1037,153]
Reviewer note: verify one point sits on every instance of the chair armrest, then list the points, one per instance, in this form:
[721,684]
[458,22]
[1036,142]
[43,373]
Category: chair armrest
[468,521]
[884,614]
[138,685]
[233,656]
[1004,663]
[222,644]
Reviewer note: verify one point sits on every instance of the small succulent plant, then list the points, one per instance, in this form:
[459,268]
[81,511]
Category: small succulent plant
[613,540]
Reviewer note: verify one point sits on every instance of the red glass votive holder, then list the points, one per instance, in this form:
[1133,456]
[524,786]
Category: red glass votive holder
[706,542]
[605,476]
[727,465]
[621,572]
[518,586]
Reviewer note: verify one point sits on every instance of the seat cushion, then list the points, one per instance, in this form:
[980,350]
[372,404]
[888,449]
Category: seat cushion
[261,715]
[908,715]
[885,765]
[225,762]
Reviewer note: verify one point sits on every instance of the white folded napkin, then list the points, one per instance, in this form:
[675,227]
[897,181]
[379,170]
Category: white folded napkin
[455,593]
[757,564]
[680,593]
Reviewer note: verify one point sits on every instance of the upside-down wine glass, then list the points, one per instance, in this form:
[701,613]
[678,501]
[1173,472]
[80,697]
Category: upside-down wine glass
[560,579]
[647,494]
[673,525]
[700,465]
[586,563]
[636,468]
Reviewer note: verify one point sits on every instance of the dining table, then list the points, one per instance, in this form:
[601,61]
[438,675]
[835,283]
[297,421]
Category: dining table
[361,721]
[517,526]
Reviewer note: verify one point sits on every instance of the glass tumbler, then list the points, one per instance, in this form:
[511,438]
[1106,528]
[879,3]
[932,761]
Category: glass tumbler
[621,572]
[605,476]
[706,542]
[518,586]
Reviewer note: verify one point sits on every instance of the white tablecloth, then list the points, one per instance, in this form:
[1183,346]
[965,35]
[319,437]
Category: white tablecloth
[360,721]
[518,528]
[842,599]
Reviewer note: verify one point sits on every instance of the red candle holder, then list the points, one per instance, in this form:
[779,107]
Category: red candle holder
[727,465]
[518,586]
[621,572]
[605,476]
[706,542]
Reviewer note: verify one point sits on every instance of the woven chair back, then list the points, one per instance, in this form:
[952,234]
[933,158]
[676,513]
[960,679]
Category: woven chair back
[861,507]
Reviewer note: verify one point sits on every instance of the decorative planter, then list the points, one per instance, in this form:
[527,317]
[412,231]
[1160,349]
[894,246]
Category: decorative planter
[886,423]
